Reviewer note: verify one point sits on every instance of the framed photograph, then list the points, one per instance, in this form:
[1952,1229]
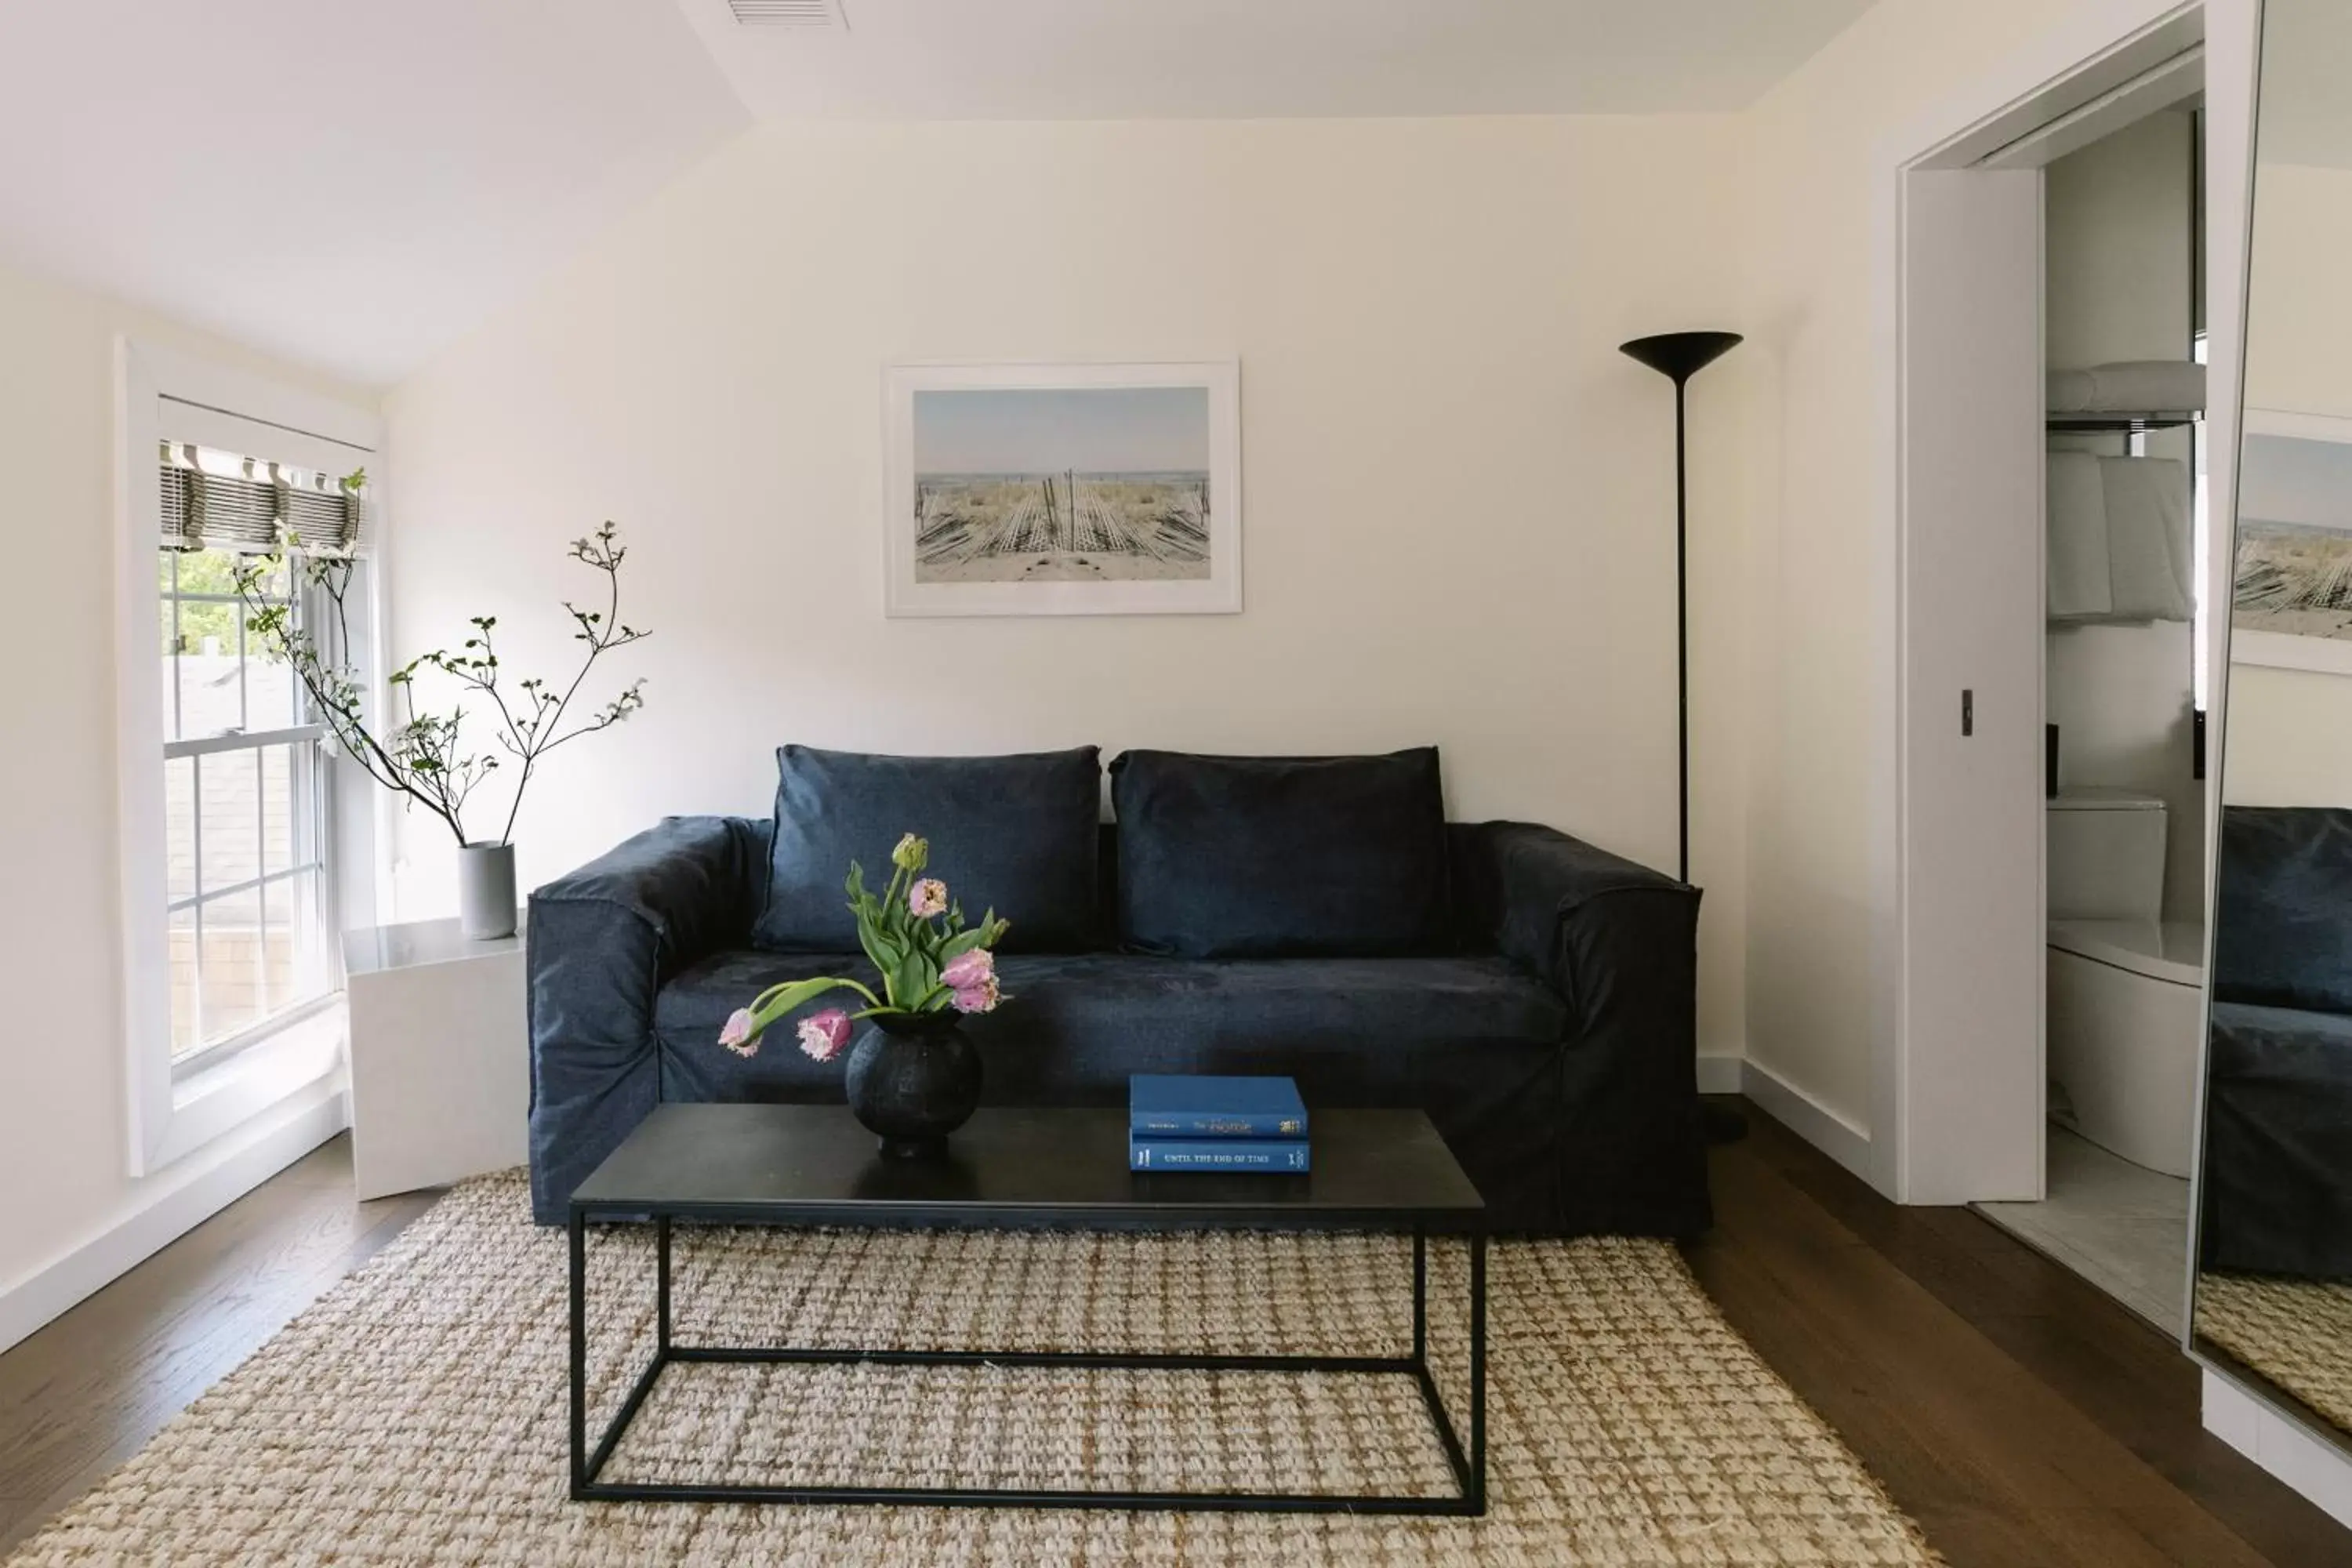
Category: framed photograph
[2293,602]
[1071,489]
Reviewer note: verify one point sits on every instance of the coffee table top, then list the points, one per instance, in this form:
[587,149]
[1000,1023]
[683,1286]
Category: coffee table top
[813,1164]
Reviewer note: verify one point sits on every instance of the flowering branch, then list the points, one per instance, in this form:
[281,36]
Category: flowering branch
[416,753]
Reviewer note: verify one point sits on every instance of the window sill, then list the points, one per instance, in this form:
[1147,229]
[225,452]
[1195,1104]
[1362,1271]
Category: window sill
[219,1098]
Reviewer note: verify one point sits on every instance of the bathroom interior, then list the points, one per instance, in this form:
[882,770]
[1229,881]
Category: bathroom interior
[2124,662]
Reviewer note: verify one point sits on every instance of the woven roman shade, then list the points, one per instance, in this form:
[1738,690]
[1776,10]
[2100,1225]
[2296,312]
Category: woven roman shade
[243,510]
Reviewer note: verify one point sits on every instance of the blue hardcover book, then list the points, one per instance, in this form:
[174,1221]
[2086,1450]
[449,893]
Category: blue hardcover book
[1277,1155]
[1183,1105]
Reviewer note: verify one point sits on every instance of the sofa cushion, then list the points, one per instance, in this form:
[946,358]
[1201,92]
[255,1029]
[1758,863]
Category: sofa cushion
[1016,834]
[2281,937]
[1268,857]
[2278,1115]
[1353,1031]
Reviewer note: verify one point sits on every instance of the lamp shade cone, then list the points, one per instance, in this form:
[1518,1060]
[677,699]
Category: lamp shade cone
[1681,354]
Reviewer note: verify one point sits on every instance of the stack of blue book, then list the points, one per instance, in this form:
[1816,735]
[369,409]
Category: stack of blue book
[1197,1123]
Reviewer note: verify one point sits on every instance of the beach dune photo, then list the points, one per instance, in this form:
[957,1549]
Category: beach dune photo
[2294,537]
[1059,485]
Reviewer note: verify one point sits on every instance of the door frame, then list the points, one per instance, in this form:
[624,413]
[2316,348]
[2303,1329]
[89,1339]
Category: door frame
[2081,72]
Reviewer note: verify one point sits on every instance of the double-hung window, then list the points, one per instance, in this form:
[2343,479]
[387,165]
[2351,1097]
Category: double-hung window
[247,822]
[247,847]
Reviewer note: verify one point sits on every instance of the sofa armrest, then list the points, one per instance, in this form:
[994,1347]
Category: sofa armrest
[1559,902]
[1620,943]
[599,944]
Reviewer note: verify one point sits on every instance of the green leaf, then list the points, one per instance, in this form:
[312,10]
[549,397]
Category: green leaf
[916,976]
[880,950]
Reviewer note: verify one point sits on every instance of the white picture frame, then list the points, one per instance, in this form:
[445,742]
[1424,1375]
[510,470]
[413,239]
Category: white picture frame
[1111,530]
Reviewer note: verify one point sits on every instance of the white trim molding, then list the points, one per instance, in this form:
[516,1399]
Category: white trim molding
[2311,1466]
[194,1191]
[1720,1074]
[1834,1134]
[164,396]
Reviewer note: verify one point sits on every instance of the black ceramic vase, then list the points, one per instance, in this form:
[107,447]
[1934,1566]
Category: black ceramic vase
[914,1078]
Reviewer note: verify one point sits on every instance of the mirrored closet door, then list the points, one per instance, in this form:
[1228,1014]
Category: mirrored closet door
[2273,1288]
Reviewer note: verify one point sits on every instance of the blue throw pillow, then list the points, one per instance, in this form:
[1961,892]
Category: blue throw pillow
[1277,856]
[1018,834]
[2282,934]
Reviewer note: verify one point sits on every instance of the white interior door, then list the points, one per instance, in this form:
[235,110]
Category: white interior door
[1970,814]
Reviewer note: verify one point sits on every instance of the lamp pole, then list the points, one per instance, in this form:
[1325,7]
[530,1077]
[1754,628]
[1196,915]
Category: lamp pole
[1679,356]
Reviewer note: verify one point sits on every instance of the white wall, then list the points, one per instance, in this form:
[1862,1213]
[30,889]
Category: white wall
[1817,237]
[2118,216]
[2289,739]
[1458,495]
[62,1139]
[2299,308]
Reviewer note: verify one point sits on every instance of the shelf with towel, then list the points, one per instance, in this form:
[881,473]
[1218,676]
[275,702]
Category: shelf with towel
[2121,423]
[2118,539]
[2126,398]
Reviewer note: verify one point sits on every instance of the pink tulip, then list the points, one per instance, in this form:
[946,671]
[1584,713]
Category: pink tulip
[742,1032]
[968,969]
[823,1035]
[980,996]
[927,898]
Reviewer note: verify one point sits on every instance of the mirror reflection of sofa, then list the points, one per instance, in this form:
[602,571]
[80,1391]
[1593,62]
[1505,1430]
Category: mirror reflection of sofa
[2278,1128]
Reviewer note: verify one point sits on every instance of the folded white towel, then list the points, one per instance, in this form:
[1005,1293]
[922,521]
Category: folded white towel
[2129,387]
[2078,539]
[2070,391]
[2147,537]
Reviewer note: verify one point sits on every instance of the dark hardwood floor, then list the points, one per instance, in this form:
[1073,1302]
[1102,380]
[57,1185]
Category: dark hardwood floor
[87,1392]
[2017,1414]
[2020,1416]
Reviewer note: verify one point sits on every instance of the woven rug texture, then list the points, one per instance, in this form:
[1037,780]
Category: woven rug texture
[417,1414]
[2296,1332]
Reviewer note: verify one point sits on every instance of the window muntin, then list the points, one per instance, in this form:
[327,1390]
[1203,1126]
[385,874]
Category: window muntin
[245,805]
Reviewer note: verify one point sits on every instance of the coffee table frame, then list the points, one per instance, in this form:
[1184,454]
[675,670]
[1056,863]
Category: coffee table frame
[1468,1462]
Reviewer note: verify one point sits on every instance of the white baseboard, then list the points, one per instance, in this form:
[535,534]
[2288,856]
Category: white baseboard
[173,1203]
[1719,1073]
[1842,1139]
[2316,1468]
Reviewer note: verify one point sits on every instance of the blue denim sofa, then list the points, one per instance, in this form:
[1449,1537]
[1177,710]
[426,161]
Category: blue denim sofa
[1548,1032]
[2277,1189]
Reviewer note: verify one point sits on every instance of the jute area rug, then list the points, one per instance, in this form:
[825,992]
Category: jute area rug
[417,1414]
[2296,1332]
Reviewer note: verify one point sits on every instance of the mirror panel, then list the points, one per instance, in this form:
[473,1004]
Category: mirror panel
[2273,1297]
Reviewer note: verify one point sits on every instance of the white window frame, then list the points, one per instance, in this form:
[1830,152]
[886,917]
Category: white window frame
[164,396]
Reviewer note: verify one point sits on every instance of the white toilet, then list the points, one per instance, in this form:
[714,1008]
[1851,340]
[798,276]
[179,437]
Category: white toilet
[2127,986]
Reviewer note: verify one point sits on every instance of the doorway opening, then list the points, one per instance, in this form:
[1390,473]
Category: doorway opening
[2048,899]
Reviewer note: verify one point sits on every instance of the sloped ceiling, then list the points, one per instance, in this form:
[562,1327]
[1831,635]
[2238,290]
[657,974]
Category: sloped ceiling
[1110,59]
[352,185]
[348,185]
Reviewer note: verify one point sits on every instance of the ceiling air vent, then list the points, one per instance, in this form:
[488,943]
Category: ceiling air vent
[823,14]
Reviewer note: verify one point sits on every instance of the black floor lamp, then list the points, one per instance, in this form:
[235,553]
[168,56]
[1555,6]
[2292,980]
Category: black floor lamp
[1681,355]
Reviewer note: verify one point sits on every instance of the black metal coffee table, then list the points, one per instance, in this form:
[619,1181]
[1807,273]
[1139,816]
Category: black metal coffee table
[813,1165]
